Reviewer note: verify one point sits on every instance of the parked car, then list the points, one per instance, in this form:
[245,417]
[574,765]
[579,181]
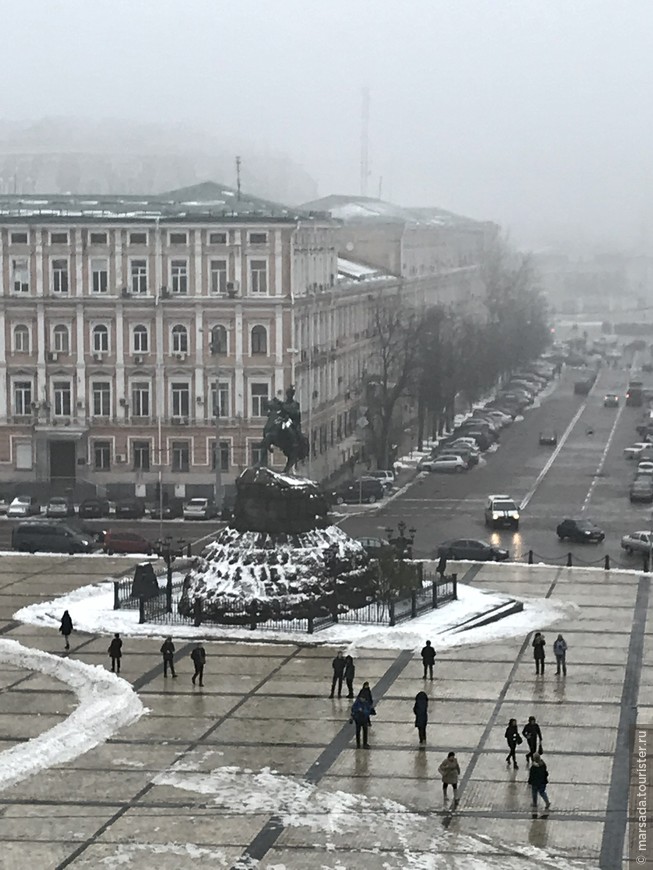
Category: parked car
[443,462]
[501,510]
[386,477]
[580,531]
[58,506]
[94,508]
[200,509]
[471,548]
[172,510]
[375,546]
[484,437]
[471,455]
[364,490]
[548,438]
[4,505]
[47,536]
[130,509]
[611,400]
[641,489]
[24,506]
[637,542]
[639,450]
[121,541]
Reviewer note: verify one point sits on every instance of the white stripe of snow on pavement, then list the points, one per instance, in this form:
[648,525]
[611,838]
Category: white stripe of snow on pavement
[604,456]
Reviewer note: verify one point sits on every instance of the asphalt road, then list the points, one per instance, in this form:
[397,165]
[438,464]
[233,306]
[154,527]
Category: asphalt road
[586,476]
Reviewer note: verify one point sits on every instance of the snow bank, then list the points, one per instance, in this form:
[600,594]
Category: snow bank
[106,704]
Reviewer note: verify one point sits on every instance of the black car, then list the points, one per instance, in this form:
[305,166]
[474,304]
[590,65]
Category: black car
[548,438]
[471,548]
[641,489]
[580,531]
[130,509]
[93,508]
[375,546]
[172,510]
[364,490]
[483,437]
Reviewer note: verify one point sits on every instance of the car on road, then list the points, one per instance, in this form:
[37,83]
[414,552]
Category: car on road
[365,490]
[58,506]
[443,462]
[611,400]
[375,546]
[94,508]
[639,450]
[200,509]
[580,531]
[172,510]
[24,506]
[471,548]
[641,489]
[637,542]
[501,510]
[130,509]
[548,438]
[121,541]
[48,536]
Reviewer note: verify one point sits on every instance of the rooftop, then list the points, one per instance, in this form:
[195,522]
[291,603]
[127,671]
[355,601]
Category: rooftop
[353,209]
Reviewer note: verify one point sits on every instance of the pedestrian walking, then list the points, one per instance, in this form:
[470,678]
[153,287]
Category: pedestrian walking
[366,693]
[198,656]
[442,565]
[428,658]
[560,652]
[533,735]
[449,770]
[538,652]
[360,716]
[349,673]
[168,653]
[115,651]
[538,779]
[421,711]
[513,739]
[66,627]
[338,665]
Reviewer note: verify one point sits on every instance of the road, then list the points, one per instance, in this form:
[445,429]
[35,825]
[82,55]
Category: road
[586,476]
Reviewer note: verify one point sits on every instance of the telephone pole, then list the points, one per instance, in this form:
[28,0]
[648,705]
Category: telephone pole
[365,130]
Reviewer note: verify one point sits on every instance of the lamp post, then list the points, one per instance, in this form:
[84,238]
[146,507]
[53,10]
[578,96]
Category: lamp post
[402,542]
[169,552]
[217,452]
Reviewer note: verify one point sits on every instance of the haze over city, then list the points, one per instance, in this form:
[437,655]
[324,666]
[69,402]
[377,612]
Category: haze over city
[525,113]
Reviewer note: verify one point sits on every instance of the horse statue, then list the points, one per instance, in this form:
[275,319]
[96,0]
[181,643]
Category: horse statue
[283,429]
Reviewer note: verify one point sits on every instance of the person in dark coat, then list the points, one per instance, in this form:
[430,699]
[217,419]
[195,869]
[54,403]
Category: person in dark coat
[449,770]
[115,651]
[66,627]
[533,735]
[198,656]
[560,652]
[421,711]
[360,716]
[168,653]
[349,673]
[513,739]
[442,565]
[538,778]
[338,665]
[538,652]
[366,693]
[428,658]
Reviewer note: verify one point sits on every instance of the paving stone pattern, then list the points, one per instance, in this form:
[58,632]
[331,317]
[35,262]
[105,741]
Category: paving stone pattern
[267,706]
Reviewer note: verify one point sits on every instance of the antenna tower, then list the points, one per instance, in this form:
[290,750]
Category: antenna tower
[365,129]
[237,177]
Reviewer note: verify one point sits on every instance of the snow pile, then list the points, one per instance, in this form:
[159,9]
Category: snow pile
[106,704]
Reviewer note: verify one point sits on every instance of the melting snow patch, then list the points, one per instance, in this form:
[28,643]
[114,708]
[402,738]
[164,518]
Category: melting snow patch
[133,854]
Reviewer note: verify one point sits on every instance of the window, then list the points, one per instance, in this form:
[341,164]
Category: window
[100,339]
[101,399]
[24,456]
[218,275]
[99,275]
[102,455]
[60,339]
[224,399]
[180,400]
[258,276]
[259,339]
[138,272]
[257,454]
[60,276]
[21,339]
[179,276]
[22,398]
[219,340]
[180,455]
[140,399]
[179,339]
[259,393]
[138,238]
[19,238]
[258,238]
[141,452]
[58,238]
[62,398]
[20,275]
[98,238]
[217,238]
[178,238]
[141,339]
[225,450]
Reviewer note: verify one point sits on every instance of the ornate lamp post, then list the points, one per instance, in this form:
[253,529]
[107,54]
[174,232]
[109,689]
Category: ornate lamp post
[169,552]
[402,542]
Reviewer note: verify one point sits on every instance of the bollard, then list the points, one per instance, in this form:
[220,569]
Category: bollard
[310,625]
[141,611]
[116,595]
[530,557]
[168,597]
[252,619]
[569,561]
[413,604]
[391,612]
[434,590]
[454,580]
[607,562]
[645,565]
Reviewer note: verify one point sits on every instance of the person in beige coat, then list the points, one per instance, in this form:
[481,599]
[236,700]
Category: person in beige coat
[449,770]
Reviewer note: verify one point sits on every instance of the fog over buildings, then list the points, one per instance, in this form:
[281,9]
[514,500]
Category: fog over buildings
[529,114]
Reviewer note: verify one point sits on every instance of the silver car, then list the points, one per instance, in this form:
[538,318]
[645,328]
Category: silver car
[24,506]
[637,542]
[443,462]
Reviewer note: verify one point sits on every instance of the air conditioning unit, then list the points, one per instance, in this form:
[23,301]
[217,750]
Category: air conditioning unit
[80,404]
[181,356]
[121,457]
[98,356]
[138,360]
[53,357]
[180,421]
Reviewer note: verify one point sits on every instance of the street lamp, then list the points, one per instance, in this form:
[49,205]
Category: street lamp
[402,542]
[217,453]
[169,552]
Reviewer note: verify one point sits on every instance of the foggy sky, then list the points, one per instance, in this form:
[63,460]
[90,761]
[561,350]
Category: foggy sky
[534,113]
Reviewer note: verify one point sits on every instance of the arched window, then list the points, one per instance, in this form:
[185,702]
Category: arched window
[259,339]
[21,339]
[179,339]
[219,339]
[60,339]
[141,339]
[100,339]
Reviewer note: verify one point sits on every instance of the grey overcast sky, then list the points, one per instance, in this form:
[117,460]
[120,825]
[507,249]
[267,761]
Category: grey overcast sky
[535,113]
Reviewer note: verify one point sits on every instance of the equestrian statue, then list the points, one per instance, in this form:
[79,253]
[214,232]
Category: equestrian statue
[283,429]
